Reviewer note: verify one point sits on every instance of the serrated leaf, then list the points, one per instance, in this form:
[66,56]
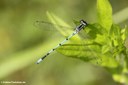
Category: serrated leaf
[104,13]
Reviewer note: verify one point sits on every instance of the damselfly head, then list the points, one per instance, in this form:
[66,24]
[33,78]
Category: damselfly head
[83,22]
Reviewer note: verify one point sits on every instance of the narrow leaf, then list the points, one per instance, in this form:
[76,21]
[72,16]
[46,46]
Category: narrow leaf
[104,13]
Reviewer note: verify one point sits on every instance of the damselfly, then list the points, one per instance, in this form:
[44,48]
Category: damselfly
[78,28]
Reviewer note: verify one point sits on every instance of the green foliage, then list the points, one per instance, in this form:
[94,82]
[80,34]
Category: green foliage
[103,43]
[22,43]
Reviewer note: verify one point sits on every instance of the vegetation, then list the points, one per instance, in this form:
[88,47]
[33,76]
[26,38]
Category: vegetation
[101,45]
[104,44]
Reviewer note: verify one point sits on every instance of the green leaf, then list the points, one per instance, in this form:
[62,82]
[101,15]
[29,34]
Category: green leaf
[109,61]
[124,33]
[104,13]
[101,39]
[115,35]
[80,51]
[105,49]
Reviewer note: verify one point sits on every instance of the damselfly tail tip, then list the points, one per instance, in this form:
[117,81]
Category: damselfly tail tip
[39,61]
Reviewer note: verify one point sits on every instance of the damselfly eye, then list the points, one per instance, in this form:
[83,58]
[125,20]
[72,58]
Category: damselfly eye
[83,22]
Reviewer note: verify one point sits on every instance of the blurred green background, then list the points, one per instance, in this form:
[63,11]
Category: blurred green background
[21,43]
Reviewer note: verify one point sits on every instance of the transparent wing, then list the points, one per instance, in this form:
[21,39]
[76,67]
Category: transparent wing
[50,26]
